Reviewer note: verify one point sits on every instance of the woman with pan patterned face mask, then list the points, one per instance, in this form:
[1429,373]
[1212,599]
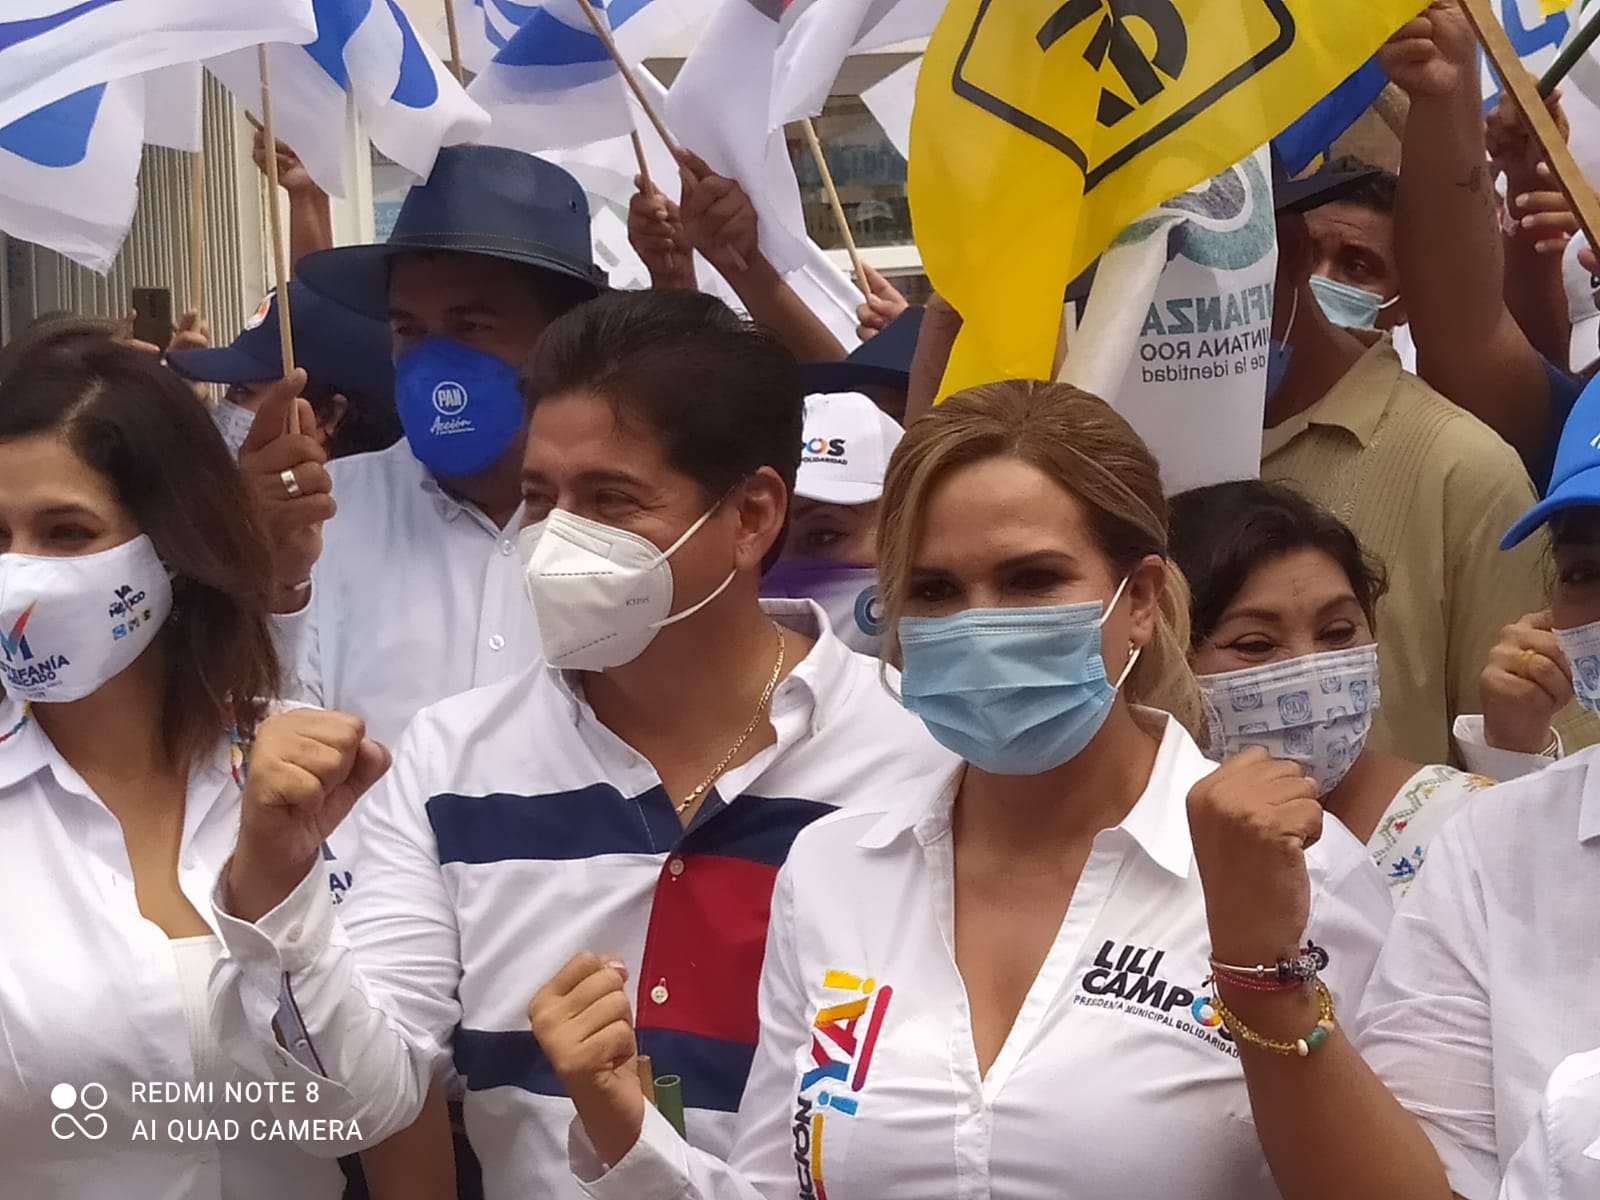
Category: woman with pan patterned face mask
[1283,623]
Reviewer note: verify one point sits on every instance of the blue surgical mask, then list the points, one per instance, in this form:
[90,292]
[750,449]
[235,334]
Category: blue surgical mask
[1013,691]
[847,593]
[460,407]
[1351,307]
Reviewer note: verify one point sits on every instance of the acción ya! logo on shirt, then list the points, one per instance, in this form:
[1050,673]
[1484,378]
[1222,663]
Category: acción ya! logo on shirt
[1127,978]
[843,1036]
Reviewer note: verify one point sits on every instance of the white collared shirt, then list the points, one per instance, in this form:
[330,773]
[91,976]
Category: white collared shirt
[417,596]
[1561,1158]
[514,831]
[1116,1079]
[91,997]
[1490,972]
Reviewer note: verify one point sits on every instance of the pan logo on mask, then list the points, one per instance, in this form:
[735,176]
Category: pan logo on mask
[449,399]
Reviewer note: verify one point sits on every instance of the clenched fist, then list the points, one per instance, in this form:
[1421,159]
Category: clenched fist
[584,1023]
[1252,820]
[307,769]
[1526,682]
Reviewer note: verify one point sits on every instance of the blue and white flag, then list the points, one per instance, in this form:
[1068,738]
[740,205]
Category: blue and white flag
[50,49]
[69,172]
[366,50]
[554,85]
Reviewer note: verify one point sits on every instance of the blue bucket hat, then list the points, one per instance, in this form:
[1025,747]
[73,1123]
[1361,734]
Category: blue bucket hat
[1575,481]
[338,348]
[484,200]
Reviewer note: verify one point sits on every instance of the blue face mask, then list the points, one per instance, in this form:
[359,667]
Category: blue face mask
[1350,307]
[460,407]
[1013,691]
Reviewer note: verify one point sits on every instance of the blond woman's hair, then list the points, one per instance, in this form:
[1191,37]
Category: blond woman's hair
[1091,453]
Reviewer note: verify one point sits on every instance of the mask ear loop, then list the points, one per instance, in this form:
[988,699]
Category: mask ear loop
[666,556]
[1134,651]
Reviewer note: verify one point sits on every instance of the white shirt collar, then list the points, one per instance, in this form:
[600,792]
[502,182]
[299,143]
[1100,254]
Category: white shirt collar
[1158,822]
[24,753]
[814,678]
[29,751]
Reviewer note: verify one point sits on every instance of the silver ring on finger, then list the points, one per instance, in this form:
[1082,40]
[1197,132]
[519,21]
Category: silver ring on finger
[291,485]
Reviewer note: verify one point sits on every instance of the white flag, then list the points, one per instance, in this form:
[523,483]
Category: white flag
[69,172]
[719,107]
[50,49]
[554,84]
[366,50]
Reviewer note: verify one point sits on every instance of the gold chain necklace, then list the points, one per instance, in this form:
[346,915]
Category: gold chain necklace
[761,710]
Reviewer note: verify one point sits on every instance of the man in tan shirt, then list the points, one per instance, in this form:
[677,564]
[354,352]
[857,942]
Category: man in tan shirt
[1427,488]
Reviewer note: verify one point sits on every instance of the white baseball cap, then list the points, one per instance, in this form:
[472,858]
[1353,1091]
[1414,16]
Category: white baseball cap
[844,452]
[1584,351]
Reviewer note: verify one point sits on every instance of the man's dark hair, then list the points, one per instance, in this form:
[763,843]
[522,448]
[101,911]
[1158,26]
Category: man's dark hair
[722,394]
[1223,534]
[138,425]
[1376,194]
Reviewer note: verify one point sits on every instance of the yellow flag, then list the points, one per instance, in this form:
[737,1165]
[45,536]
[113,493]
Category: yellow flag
[1042,128]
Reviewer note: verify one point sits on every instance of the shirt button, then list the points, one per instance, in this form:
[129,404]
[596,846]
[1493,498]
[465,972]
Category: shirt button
[295,932]
[659,993]
[497,642]
[507,547]
[675,867]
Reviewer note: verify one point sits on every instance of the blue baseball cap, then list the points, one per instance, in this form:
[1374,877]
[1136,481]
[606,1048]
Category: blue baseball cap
[883,361]
[1575,481]
[337,348]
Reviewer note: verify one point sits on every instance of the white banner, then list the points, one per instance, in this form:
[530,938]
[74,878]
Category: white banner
[1178,325]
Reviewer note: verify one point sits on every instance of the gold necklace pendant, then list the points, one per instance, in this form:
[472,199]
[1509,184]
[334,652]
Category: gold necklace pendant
[761,709]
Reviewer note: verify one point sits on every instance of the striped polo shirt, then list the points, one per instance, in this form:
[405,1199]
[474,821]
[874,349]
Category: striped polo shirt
[514,831]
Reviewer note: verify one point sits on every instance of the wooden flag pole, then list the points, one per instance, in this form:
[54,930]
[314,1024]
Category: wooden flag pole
[275,219]
[838,207]
[644,165]
[1524,91]
[603,32]
[197,229]
[454,35]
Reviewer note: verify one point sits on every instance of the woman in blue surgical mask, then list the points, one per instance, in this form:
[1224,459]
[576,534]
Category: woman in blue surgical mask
[1003,975]
[830,551]
[1283,635]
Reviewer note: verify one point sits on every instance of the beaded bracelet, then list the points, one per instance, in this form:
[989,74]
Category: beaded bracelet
[1286,975]
[1301,1046]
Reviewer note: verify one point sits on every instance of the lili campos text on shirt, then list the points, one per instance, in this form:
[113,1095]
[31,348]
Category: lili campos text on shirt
[1128,979]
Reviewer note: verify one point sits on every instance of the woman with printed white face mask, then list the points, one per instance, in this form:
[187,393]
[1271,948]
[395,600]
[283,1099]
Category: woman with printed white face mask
[134,660]
[1283,629]
[998,986]
[831,552]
